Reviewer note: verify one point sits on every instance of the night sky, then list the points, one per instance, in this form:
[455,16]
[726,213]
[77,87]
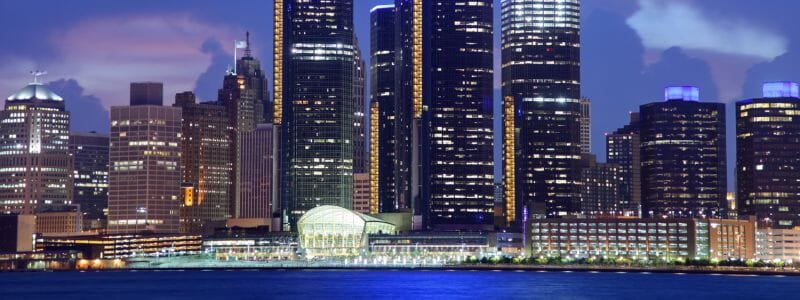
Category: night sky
[93,49]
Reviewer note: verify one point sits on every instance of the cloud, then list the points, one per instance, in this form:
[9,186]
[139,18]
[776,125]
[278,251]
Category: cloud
[86,111]
[664,24]
[210,81]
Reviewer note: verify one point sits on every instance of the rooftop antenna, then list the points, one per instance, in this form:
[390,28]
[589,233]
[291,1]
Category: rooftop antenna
[36,74]
[247,42]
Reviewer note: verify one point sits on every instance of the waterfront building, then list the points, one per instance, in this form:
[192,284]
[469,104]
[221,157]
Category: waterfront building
[35,164]
[683,156]
[206,164]
[335,231]
[382,98]
[145,175]
[361,193]
[147,93]
[541,74]
[457,165]
[778,244]
[767,147]
[65,221]
[316,97]
[121,246]
[586,125]
[449,246]
[89,152]
[258,174]
[272,246]
[662,238]
[623,149]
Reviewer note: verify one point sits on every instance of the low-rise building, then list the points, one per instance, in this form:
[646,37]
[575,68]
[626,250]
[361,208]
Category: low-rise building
[778,244]
[335,231]
[59,222]
[16,233]
[272,246]
[667,239]
[447,245]
[112,246]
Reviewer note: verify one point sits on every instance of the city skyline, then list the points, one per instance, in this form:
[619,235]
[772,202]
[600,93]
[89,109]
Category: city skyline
[84,58]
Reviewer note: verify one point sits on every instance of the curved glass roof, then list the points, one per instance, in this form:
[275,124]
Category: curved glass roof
[329,214]
[35,91]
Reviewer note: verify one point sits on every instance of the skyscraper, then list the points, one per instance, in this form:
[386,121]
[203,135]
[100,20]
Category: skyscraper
[600,188]
[541,72]
[382,75]
[359,112]
[147,93]
[407,108]
[257,174]
[623,149]
[35,165]
[145,175]
[206,164]
[457,149]
[317,102]
[244,94]
[767,160]
[683,155]
[90,175]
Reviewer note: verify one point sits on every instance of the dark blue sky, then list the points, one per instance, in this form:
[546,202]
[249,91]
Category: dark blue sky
[631,49]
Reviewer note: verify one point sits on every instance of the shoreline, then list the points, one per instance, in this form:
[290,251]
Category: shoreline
[465,268]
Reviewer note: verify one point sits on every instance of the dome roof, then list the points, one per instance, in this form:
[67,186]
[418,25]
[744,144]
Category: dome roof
[329,214]
[35,91]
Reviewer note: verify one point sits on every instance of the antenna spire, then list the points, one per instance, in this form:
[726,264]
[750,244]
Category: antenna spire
[247,42]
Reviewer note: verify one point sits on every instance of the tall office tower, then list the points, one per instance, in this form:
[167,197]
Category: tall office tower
[767,160]
[255,80]
[147,93]
[382,75]
[206,165]
[622,149]
[244,94]
[600,188]
[458,165]
[683,155]
[257,174]
[145,176]
[35,165]
[541,72]
[407,107]
[359,111]
[317,102]
[90,175]
[586,125]
[374,158]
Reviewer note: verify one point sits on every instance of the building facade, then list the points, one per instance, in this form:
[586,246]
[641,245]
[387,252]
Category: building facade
[778,244]
[360,159]
[35,163]
[90,175]
[258,174]
[206,164]
[317,102]
[382,87]
[457,147]
[586,125]
[361,193]
[683,156]
[147,93]
[623,149]
[541,74]
[145,174]
[767,143]
[601,189]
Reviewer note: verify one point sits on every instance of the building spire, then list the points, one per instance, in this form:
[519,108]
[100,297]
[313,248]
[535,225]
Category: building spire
[247,42]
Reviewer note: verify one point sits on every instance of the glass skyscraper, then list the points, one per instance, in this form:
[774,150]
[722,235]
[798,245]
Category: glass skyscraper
[683,156]
[382,75]
[317,102]
[541,75]
[623,149]
[89,152]
[457,165]
[767,160]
